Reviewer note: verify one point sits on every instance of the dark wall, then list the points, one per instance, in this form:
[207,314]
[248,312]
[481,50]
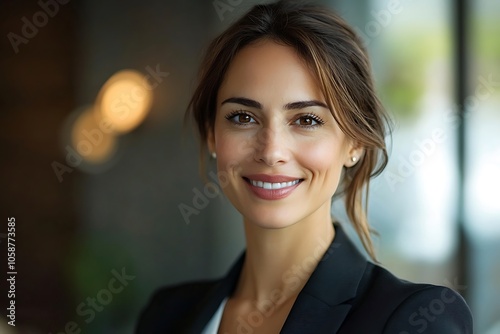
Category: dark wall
[37,91]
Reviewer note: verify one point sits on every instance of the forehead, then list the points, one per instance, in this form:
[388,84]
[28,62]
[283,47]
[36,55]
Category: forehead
[266,69]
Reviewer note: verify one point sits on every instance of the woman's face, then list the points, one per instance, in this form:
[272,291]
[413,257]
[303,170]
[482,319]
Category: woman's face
[279,150]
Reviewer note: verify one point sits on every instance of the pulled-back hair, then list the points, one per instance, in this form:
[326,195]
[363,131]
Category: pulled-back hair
[339,61]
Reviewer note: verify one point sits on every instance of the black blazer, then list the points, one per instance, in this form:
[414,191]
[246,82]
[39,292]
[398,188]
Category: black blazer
[344,294]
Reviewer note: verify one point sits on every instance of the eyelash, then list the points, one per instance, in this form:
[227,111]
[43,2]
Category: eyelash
[314,117]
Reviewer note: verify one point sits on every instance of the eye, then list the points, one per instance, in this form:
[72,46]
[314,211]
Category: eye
[309,121]
[240,118]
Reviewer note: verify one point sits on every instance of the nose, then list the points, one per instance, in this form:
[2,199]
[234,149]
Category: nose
[271,147]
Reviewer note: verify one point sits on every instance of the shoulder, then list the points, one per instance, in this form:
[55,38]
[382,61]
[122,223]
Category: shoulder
[170,303]
[403,307]
[433,309]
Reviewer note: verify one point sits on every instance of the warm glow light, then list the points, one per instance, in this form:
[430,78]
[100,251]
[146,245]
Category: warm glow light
[125,100]
[92,138]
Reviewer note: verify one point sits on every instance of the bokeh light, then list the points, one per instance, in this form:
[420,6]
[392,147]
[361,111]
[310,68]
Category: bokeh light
[93,138]
[124,100]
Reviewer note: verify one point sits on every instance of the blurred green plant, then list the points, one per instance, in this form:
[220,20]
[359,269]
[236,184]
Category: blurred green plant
[407,57]
[89,271]
[486,46]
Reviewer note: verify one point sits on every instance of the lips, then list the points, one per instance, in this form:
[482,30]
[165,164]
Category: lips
[272,187]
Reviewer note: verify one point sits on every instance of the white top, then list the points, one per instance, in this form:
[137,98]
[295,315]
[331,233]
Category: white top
[213,325]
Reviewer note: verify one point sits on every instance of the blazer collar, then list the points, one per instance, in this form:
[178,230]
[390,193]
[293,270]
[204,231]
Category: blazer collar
[321,305]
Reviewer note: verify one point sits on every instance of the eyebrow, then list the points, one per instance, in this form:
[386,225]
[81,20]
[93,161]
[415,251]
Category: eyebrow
[243,101]
[289,106]
[304,104]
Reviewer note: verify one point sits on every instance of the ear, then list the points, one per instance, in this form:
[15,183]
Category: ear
[354,154]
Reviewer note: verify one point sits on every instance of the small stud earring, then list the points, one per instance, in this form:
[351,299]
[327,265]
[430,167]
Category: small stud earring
[213,155]
[354,159]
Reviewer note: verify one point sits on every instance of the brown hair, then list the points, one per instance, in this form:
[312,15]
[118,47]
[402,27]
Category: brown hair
[339,60]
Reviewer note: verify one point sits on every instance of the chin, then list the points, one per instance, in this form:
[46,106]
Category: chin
[270,220]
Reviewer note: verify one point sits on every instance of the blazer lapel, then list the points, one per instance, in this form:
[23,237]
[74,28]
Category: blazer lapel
[205,310]
[323,303]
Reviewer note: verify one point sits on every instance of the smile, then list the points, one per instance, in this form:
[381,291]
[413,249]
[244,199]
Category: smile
[269,185]
[272,187]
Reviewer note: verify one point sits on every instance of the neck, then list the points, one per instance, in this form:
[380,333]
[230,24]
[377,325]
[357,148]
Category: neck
[278,262]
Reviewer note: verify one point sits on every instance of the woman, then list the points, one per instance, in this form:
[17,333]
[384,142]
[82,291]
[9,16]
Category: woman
[286,106]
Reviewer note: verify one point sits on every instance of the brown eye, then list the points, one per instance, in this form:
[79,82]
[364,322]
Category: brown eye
[244,118]
[307,121]
[240,118]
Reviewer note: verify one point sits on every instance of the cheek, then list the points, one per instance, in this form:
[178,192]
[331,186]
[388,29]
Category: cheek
[232,149]
[323,158]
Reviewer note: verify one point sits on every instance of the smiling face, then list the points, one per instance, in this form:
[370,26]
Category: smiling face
[280,152]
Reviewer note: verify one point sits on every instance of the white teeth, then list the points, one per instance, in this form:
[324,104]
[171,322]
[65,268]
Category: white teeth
[268,185]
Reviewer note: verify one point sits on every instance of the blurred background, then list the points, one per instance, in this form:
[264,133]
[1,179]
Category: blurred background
[110,206]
